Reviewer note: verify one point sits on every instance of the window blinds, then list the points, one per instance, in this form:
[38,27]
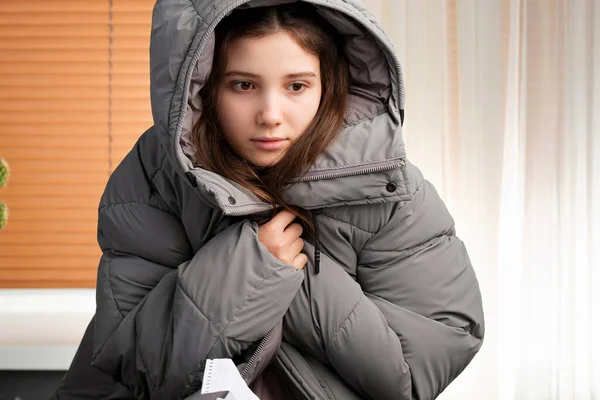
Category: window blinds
[74,98]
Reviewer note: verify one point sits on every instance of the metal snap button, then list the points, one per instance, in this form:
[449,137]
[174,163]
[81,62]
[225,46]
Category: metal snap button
[391,187]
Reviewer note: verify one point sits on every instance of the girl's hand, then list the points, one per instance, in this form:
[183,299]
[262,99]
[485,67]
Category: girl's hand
[282,238]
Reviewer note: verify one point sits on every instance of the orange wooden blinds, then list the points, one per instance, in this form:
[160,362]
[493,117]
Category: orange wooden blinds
[74,98]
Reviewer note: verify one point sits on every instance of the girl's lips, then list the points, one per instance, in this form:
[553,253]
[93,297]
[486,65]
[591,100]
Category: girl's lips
[269,144]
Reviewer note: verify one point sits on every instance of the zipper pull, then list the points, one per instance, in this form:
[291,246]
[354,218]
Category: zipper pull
[317,255]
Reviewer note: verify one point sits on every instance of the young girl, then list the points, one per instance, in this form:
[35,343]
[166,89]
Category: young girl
[270,217]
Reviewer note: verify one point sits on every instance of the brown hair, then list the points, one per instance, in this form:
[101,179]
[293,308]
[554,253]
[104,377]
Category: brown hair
[315,36]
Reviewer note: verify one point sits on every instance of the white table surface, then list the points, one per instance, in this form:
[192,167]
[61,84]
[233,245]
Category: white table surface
[40,329]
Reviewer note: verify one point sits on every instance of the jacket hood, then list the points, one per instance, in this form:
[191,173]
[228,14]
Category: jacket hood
[362,164]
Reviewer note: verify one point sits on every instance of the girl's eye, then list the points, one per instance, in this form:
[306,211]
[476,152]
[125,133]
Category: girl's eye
[297,87]
[243,86]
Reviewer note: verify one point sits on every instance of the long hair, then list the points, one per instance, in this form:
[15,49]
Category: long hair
[316,36]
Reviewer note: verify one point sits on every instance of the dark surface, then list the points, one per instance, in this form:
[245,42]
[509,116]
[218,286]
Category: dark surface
[28,385]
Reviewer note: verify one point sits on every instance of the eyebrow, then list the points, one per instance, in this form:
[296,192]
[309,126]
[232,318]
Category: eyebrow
[295,75]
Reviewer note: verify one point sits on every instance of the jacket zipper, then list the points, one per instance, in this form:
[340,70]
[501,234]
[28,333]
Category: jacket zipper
[376,167]
[254,357]
[353,171]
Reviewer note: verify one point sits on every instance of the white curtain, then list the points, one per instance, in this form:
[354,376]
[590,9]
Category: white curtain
[503,116]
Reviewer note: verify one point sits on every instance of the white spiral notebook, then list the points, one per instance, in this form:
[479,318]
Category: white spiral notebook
[222,375]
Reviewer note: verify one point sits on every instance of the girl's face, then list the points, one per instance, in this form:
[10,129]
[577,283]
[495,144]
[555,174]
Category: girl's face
[268,94]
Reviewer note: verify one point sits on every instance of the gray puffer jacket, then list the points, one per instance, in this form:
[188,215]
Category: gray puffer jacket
[392,311]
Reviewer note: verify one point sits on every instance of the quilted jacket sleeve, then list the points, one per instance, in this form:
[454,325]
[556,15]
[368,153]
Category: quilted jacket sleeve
[412,320]
[160,312]
[418,275]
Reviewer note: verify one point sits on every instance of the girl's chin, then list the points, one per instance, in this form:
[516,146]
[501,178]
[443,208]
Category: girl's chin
[265,161]
[265,164]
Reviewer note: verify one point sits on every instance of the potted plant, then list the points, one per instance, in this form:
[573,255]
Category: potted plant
[4,174]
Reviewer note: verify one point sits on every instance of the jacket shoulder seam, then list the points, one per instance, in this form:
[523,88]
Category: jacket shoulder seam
[104,208]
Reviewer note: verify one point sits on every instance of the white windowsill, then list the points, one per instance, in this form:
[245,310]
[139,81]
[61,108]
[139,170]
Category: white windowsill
[40,329]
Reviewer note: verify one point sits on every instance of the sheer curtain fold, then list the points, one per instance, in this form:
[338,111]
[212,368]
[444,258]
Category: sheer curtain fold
[503,116]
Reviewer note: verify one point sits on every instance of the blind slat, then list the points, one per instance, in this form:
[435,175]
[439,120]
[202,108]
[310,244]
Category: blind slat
[129,93]
[90,80]
[64,179]
[50,228]
[58,105]
[129,80]
[64,18]
[26,238]
[130,67]
[30,261]
[89,283]
[45,117]
[49,43]
[37,154]
[64,130]
[54,68]
[99,56]
[60,166]
[21,8]
[53,214]
[44,191]
[134,42]
[46,274]
[139,54]
[133,6]
[66,93]
[47,250]
[127,105]
[19,204]
[67,31]
[55,141]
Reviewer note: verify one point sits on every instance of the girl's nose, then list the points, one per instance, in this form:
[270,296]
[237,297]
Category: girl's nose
[270,112]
